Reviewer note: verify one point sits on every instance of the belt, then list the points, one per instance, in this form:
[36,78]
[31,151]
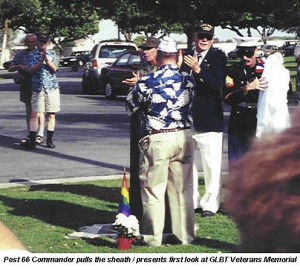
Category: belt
[248,105]
[151,132]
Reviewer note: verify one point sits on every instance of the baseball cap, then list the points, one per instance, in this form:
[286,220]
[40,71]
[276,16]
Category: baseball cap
[150,43]
[168,45]
[205,29]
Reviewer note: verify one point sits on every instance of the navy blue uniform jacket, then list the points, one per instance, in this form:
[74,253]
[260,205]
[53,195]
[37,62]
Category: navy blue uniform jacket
[207,103]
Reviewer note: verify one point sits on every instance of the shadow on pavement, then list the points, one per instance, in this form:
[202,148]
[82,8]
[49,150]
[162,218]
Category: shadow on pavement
[13,143]
[9,142]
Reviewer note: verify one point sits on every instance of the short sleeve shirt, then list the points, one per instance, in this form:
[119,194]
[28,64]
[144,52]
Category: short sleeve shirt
[20,58]
[44,79]
[164,99]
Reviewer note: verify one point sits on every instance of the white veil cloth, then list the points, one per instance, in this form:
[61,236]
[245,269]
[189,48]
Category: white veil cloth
[272,109]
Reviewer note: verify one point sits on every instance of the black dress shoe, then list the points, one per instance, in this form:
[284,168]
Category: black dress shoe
[139,242]
[171,240]
[207,214]
[28,144]
[50,144]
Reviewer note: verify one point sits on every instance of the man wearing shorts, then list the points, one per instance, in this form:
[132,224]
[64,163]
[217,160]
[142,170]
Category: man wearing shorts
[19,64]
[43,65]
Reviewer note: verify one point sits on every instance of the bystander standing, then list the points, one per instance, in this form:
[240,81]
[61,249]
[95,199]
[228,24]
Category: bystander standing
[243,82]
[43,65]
[164,99]
[207,66]
[19,64]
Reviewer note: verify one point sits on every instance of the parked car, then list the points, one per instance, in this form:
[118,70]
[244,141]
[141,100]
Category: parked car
[233,54]
[112,76]
[289,47]
[269,49]
[75,59]
[103,54]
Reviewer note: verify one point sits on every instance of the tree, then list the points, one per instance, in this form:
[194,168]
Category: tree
[9,9]
[263,16]
[63,21]
[179,14]
[130,18]
[70,20]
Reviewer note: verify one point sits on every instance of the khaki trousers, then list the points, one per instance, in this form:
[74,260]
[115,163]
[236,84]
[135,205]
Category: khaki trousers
[166,165]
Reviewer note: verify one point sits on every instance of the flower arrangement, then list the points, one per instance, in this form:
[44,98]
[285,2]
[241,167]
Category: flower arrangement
[127,226]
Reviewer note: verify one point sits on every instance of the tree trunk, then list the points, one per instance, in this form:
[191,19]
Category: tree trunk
[190,38]
[4,43]
[249,32]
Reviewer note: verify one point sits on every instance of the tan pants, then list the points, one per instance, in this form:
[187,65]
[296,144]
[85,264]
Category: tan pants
[166,165]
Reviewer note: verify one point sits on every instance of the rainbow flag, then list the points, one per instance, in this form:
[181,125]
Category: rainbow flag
[124,205]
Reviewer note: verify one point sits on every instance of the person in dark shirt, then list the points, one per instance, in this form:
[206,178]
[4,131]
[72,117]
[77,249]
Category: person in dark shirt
[207,65]
[243,82]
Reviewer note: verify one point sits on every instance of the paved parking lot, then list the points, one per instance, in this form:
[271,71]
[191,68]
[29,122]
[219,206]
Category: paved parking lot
[92,136]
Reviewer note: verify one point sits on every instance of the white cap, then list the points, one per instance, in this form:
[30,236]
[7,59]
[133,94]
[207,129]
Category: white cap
[167,45]
[247,41]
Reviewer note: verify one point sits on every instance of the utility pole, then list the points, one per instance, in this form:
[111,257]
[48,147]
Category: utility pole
[119,36]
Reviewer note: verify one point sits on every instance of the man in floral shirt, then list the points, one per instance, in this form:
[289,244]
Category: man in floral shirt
[19,64]
[43,65]
[164,100]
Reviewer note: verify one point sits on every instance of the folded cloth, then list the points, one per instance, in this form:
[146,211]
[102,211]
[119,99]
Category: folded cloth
[272,108]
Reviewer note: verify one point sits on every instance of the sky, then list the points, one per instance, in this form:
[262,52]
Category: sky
[108,30]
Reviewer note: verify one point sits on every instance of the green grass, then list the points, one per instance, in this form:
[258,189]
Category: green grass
[42,216]
[290,64]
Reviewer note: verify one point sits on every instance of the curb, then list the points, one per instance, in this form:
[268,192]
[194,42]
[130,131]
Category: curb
[61,180]
[73,180]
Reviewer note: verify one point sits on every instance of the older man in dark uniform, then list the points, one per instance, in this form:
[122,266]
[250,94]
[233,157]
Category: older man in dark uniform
[207,66]
[243,83]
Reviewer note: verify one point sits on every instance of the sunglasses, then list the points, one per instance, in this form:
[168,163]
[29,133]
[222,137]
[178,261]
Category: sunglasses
[203,36]
[147,48]
[247,53]
[43,41]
